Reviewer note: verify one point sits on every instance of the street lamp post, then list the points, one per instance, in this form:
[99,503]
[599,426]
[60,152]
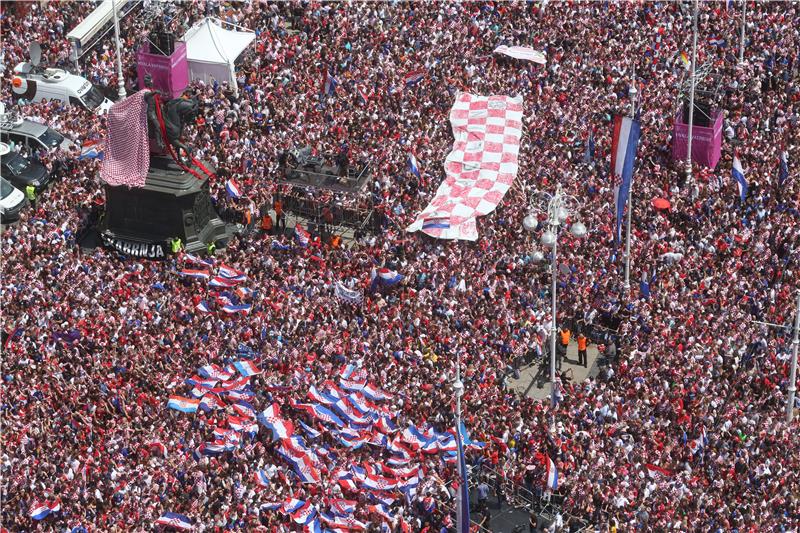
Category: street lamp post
[558,207]
[691,95]
[120,79]
[741,39]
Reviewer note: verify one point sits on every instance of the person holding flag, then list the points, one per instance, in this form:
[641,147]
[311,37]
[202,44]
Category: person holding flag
[738,174]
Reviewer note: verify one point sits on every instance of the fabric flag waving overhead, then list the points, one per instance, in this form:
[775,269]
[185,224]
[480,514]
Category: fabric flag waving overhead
[623,157]
[91,150]
[127,152]
[522,52]
[178,521]
[551,479]
[329,84]
[738,175]
[480,168]
[184,405]
[413,77]
[413,167]
[783,169]
[233,189]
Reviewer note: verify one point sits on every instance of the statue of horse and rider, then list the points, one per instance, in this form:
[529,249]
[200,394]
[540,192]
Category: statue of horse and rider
[176,114]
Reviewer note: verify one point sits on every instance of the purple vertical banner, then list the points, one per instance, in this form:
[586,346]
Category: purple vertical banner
[170,73]
[706,142]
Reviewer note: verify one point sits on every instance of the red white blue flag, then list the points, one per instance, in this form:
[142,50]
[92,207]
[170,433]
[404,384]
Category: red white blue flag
[623,156]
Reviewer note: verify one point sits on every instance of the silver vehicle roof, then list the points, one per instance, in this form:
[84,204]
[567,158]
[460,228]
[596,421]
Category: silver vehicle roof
[24,126]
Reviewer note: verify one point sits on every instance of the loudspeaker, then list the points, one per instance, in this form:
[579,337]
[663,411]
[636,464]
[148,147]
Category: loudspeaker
[702,114]
[164,43]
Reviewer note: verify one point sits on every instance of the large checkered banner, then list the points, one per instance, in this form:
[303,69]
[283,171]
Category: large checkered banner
[127,151]
[479,170]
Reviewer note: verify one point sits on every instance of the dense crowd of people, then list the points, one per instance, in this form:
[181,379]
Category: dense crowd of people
[684,430]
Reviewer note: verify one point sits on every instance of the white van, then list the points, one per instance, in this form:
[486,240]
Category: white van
[36,84]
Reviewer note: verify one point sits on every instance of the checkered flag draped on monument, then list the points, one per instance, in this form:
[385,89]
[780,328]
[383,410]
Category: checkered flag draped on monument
[127,151]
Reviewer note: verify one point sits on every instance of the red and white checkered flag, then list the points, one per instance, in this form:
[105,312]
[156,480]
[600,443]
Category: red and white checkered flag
[127,152]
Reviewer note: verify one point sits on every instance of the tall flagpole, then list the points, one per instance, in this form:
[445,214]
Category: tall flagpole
[793,368]
[741,39]
[632,92]
[121,80]
[691,95]
[462,507]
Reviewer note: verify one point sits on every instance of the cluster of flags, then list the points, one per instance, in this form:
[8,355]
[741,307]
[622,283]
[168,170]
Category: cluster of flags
[227,279]
[351,411]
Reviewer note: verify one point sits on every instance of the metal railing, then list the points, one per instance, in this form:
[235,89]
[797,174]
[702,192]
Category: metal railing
[516,494]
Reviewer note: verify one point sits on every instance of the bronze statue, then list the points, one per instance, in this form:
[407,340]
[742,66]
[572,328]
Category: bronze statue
[176,114]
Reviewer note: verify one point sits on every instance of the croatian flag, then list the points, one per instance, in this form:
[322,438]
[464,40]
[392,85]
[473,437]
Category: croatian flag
[233,189]
[302,236]
[246,368]
[462,498]
[716,41]
[330,83]
[305,514]
[178,521]
[190,273]
[220,281]
[190,258]
[214,372]
[738,175]
[262,479]
[40,510]
[203,307]
[233,309]
[413,77]
[389,277]
[231,273]
[91,150]
[362,95]
[623,156]
[551,480]
[783,170]
[413,167]
[271,419]
[184,405]
[210,402]
[436,223]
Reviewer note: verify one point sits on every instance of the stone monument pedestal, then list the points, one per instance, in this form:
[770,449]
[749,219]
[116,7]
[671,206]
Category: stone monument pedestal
[141,222]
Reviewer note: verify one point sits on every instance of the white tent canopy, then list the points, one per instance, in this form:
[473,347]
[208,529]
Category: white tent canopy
[212,49]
